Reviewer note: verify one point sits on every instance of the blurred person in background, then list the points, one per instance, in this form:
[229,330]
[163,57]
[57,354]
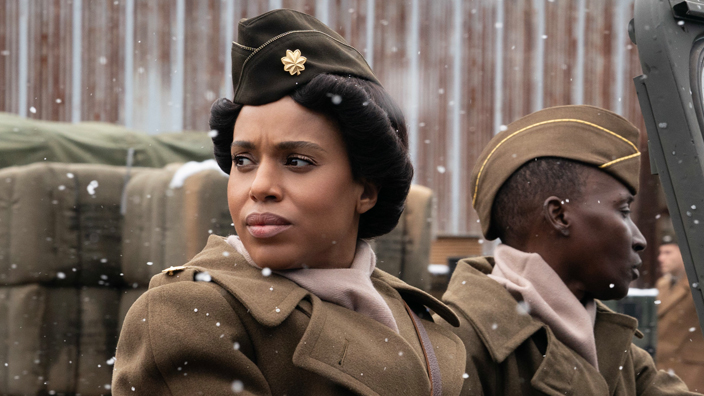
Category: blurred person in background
[680,345]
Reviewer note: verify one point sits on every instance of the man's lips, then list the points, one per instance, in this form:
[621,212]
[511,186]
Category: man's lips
[636,272]
[266,225]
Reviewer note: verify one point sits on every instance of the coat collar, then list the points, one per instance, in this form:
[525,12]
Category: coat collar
[502,328]
[614,333]
[497,321]
[271,299]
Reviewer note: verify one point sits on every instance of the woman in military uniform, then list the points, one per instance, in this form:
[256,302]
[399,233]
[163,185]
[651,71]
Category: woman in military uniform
[318,160]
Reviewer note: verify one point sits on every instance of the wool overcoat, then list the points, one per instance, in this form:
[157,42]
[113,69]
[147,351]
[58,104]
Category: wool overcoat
[511,353]
[238,330]
[680,345]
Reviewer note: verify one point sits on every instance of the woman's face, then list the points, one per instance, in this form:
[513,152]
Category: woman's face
[291,193]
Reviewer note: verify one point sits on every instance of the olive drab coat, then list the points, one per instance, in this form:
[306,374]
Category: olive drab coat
[264,335]
[511,353]
[680,346]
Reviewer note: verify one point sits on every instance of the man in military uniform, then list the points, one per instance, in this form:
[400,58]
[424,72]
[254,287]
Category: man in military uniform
[556,188]
[680,347]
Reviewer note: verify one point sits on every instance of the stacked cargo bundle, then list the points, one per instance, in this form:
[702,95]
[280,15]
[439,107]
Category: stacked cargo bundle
[168,219]
[60,280]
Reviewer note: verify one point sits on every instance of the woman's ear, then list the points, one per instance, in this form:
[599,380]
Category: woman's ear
[367,199]
[554,214]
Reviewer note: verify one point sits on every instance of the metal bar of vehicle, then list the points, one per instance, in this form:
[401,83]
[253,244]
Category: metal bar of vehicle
[670,40]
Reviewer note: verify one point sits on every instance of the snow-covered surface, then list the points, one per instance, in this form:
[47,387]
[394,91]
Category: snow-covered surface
[642,292]
[438,269]
[191,168]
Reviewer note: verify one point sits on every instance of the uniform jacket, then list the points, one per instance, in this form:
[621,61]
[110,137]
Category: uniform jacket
[267,336]
[680,345]
[511,353]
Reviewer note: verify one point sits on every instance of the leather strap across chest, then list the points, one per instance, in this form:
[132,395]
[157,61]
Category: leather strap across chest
[431,360]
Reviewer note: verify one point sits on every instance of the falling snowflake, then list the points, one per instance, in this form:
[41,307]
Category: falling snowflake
[237,386]
[203,277]
[92,186]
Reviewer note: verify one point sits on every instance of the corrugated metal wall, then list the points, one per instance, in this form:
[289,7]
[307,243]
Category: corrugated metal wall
[460,69]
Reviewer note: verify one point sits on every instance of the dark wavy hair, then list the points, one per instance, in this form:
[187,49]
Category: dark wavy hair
[373,130]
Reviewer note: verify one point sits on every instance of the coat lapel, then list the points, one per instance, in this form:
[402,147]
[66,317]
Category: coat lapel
[563,372]
[503,328]
[336,344]
[614,334]
[497,321]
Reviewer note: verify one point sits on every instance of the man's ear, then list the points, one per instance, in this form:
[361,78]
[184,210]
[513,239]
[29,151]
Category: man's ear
[368,198]
[554,213]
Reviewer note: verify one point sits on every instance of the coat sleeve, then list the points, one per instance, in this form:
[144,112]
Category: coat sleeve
[184,338]
[650,381]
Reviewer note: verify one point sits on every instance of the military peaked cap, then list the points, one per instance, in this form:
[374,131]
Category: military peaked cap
[277,51]
[586,134]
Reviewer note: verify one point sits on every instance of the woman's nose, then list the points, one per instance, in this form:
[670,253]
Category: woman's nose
[266,184]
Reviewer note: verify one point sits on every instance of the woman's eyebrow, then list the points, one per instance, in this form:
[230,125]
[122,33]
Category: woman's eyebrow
[299,145]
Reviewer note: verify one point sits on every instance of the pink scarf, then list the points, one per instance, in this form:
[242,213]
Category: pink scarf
[546,297]
[348,287]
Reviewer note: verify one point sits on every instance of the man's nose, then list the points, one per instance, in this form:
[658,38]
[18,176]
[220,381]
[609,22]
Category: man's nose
[639,242]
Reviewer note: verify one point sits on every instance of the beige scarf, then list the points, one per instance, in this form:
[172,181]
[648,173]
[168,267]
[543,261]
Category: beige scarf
[348,287]
[545,296]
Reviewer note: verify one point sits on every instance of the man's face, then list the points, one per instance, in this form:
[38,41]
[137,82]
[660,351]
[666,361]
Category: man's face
[670,260]
[604,240]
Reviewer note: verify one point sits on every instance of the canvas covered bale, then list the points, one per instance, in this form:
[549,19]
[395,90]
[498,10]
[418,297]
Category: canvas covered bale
[24,141]
[405,251]
[61,224]
[168,226]
[57,340]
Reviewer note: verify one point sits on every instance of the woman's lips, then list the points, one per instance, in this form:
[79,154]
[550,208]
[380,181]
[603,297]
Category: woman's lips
[266,225]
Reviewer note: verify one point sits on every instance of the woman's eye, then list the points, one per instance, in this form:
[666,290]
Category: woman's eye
[241,161]
[298,162]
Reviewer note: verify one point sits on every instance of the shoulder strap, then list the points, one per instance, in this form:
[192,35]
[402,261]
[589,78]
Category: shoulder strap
[430,360]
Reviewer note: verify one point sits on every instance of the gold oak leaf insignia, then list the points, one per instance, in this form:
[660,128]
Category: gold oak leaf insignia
[293,62]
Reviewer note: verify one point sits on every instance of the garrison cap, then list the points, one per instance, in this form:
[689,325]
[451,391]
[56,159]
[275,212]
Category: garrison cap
[586,134]
[279,50]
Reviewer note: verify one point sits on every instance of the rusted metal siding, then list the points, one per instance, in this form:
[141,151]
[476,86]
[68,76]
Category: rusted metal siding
[415,53]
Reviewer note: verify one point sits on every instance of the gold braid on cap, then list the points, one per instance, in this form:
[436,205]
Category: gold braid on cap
[479,175]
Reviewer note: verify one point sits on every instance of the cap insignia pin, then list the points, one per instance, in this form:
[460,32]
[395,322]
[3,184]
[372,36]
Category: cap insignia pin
[293,62]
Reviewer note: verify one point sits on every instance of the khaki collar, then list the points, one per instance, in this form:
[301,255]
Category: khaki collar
[496,319]
[271,299]
[503,328]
